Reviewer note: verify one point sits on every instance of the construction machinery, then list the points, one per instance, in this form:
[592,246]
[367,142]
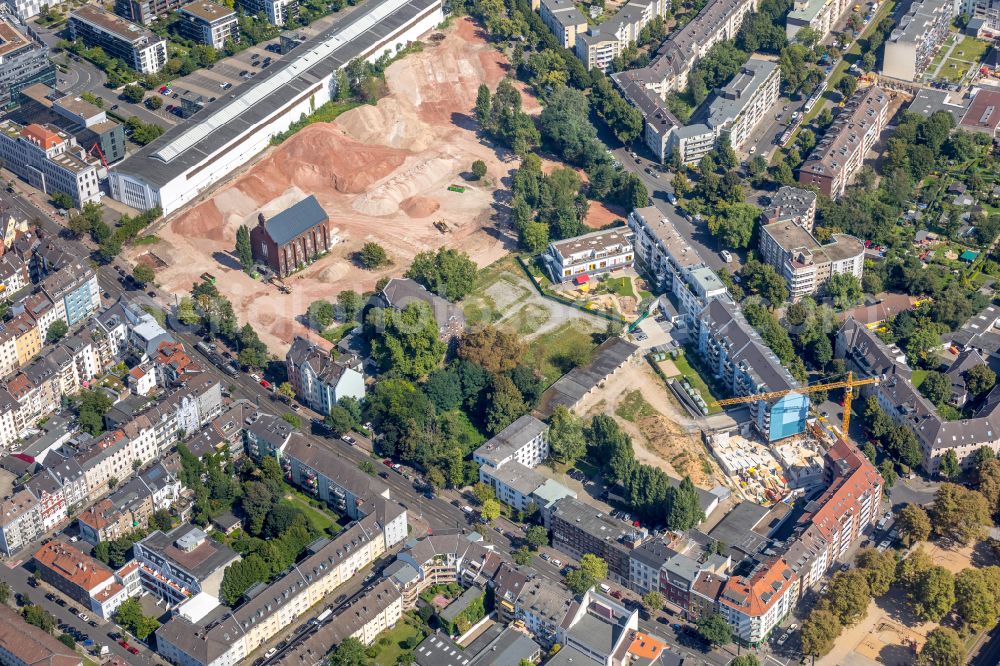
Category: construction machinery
[846,384]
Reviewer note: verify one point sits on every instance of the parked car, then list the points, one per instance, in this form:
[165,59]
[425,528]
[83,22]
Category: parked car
[726,256]
[348,439]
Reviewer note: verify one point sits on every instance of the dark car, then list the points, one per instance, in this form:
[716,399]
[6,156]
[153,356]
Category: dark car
[384,475]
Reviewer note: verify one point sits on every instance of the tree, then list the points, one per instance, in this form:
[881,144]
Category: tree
[960,514]
[914,524]
[535,236]
[57,330]
[350,303]
[936,387]
[505,404]
[944,647]
[143,274]
[320,314]
[349,652]
[448,273]
[482,492]
[339,420]
[949,467]
[847,85]
[537,536]
[979,379]
[154,102]
[405,342]
[373,256]
[578,581]
[745,660]
[133,93]
[652,600]
[714,629]
[161,520]
[490,510]
[4,592]
[819,631]
[38,616]
[734,224]
[566,440]
[976,600]
[933,593]
[62,200]
[243,248]
[848,596]
[494,349]
[68,641]
[594,566]
[845,290]
[522,556]
[479,169]
[878,568]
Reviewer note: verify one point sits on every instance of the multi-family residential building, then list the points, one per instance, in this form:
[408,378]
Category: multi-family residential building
[266,435]
[792,204]
[819,15]
[734,112]
[841,152]
[328,564]
[20,522]
[181,563]
[917,37]
[278,12]
[837,519]
[805,263]
[81,578]
[741,361]
[596,253]
[601,44]
[145,12]
[23,644]
[209,23]
[672,263]
[88,124]
[400,292]
[755,603]
[141,49]
[982,115]
[14,274]
[597,630]
[60,488]
[987,11]
[50,160]
[898,397]
[519,486]
[27,337]
[564,20]
[659,123]
[23,62]
[524,441]
[578,528]
[130,506]
[320,380]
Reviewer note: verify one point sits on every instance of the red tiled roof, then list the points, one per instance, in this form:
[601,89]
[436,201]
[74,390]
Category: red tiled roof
[72,565]
[42,136]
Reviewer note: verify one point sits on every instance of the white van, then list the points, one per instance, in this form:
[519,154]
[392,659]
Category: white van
[606,589]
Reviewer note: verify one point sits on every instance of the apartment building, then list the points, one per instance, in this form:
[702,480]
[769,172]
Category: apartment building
[141,49]
[578,528]
[754,604]
[20,522]
[181,563]
[819,15]
[841,152]
[596,253]
[50,160]
[82,578]
[868,356]
[603,43]
[278,12]
[519,487]
[23,644]
[23,61]
[659,123]
[209,23]
[987,11]
[674,265]
[59,488]
[144,12]
[524,441]
[792,204]
[27,337]
[266,435]
[563,19]
[746,366]
[88,124]
[982,115]
[230,638]
[806,264]
[130,506]
[735,111]
[14,274]
[320,380]
[838,518]
[917,37]
[597,629]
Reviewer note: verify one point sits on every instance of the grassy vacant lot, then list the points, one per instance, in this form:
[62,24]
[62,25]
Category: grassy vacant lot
[551,353]
[634,407]
[319,520]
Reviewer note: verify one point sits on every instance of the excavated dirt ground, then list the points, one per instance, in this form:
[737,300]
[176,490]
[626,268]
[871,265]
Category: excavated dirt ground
[381,172]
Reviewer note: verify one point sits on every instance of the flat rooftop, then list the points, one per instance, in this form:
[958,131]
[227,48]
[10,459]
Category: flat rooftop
[11,38]
[207,11]
[665,231]
[114,24]
[232,117]
[596,243]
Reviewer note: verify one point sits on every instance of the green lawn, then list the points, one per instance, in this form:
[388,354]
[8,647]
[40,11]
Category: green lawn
[337,332]
[389,652]
[634,407]
[319,520]
[547,350]
[917,377]
[688,372]
[148,239]
[621,286]
[971,50]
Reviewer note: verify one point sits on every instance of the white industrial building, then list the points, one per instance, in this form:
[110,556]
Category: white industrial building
[189,159]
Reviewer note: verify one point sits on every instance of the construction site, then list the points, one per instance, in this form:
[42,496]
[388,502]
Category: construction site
[385,173]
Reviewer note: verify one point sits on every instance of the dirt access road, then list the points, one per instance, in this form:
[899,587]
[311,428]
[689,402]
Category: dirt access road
[381,172]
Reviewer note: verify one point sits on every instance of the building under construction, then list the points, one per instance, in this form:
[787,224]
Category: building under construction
[100,136]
